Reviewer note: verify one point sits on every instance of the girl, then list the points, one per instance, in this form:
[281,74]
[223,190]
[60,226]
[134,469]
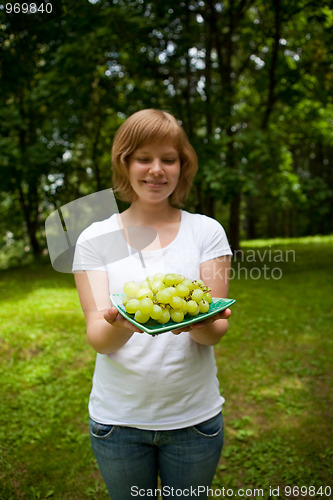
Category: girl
[155,406]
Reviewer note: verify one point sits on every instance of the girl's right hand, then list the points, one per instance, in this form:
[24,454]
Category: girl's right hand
[114,318]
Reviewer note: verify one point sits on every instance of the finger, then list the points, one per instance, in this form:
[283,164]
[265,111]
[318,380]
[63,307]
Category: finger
[225,314]
[181,330]
[176,332]
[111,314]
[201,324]
[127,324]
[132,327]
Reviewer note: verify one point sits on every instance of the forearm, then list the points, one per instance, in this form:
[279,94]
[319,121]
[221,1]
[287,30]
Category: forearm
[210,334]
[105,338]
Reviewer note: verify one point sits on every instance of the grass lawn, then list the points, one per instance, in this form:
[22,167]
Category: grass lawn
[275,371]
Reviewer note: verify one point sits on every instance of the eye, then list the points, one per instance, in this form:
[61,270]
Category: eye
[170,161]
[143,159]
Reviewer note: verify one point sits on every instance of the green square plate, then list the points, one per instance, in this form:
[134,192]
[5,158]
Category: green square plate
[154,328]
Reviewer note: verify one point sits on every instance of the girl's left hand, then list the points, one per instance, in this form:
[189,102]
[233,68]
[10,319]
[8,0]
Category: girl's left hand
[204,324]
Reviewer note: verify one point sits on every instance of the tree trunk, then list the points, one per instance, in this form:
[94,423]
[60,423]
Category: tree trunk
[29,203]
[251,218]
[30,220]
[234,222]
[207,204]
[94,155]
[188,87]
[208,82]
[273,66]
[224,46]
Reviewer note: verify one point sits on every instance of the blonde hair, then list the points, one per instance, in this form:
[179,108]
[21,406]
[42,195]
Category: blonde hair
[148,126]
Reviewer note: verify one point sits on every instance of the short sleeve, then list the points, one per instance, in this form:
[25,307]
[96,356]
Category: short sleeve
[88,255]
[101,244]
[214,240]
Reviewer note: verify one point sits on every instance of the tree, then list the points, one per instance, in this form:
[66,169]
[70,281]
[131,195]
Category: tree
[26,129]
[250,82]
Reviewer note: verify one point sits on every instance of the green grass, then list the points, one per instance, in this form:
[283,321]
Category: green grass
[275,367]
[274,370]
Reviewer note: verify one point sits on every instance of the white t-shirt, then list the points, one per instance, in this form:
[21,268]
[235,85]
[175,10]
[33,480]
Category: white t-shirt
[160,382]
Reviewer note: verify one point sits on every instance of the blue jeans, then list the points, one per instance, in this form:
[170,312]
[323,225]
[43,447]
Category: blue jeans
[131,459]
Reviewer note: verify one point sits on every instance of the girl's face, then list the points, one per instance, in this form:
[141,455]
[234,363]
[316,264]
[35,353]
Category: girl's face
[154,171]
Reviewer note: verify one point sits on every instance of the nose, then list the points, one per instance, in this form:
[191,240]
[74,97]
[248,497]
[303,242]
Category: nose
[156,166]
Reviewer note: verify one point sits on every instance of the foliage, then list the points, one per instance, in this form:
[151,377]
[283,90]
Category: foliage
[250,82]
[274,367]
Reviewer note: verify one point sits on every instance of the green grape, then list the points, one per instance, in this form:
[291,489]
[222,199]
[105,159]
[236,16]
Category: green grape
[125,299]
[157,285]
[188,283]
[171,291]
[191,306]
[131,289]
[164,296]
[145,284]
[195,312]
[140,317]
[207,297]
[158,277]
[144,292]
[184,306]
[150,280]
[176,315]
[197,294]
[132,306]
[165,316]
[161,295]
[182,290]
[156,312]
[170,279]
[203,306]
[146,305]
[176,302]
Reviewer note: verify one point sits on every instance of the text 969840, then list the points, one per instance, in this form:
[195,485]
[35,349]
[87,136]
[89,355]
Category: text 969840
[27,7]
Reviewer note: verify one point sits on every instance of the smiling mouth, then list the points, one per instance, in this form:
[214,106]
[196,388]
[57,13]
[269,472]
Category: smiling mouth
[152,183]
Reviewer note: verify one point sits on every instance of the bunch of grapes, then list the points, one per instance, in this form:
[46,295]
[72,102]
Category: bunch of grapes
[166,297]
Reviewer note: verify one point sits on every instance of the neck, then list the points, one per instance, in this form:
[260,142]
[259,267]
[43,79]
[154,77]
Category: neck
[143,214]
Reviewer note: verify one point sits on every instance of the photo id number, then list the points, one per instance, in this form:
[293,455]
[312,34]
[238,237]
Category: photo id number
[27,8]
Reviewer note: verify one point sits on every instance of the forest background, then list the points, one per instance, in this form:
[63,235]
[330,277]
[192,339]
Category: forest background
[250,80]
